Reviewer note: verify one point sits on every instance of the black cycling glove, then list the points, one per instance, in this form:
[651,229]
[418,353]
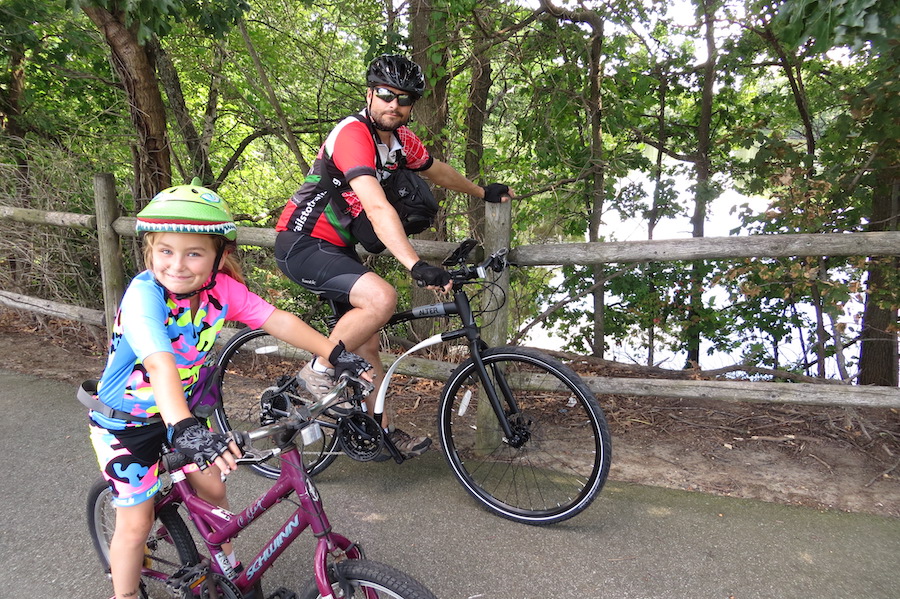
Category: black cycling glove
[344,361]
[426,275]
[494,192]
[198,443]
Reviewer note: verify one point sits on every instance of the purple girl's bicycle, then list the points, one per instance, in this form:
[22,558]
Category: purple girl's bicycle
[173,565]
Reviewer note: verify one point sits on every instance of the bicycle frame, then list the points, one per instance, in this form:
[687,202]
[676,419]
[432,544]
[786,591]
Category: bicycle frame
[217,526]
[461,307]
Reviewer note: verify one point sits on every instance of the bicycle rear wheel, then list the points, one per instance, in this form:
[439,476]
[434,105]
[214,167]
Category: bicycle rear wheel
[369,579]
[168,547]
[559,460]
[258,374]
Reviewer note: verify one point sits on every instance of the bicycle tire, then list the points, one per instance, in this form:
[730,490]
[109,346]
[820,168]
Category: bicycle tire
[252,363]
[564,462]
[168,547]
[366,575]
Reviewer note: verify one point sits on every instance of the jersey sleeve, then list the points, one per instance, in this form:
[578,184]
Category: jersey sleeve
[144,309]
[243,305]
[352,149]
[417,156]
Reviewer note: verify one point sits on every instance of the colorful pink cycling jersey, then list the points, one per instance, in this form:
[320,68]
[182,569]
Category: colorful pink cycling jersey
[325,204]
[156,322]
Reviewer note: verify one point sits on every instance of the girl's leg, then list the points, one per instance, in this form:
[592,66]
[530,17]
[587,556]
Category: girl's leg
[126,549]
[210,487]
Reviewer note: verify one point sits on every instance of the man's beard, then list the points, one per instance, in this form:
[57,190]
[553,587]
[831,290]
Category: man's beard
[381,125]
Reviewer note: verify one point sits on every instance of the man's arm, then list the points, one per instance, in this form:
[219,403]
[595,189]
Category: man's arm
[444,175]
[384,219]
[390,231]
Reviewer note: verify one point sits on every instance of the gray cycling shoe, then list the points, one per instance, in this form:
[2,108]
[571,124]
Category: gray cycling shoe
[317,384]
[406,444]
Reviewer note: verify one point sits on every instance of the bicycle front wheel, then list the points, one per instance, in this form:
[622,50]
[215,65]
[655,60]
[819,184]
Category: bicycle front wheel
[559,456]
[258,374]
[168,546]
[368,579]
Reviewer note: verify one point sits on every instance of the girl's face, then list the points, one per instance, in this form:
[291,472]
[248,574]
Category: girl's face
[182,262]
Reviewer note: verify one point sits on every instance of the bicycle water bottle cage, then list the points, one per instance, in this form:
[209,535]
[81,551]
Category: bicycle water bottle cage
[361,438]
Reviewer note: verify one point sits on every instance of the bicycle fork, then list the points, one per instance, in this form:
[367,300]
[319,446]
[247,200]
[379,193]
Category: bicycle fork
[475,346]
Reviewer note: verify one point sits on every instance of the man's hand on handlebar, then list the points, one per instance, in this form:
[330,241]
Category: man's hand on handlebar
[344,361]
[348,364]
[432,277]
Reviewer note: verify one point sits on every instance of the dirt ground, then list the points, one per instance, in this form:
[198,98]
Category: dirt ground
[834,458]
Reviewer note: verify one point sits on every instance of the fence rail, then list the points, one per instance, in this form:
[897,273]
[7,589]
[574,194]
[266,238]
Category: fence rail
[111,228]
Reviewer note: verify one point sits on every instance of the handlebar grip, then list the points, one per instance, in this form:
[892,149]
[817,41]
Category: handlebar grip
[240,438]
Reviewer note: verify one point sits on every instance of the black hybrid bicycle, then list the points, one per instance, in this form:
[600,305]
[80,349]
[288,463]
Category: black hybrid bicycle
[520,430]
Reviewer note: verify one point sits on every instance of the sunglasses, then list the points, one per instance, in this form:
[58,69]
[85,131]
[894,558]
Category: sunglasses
[387,96]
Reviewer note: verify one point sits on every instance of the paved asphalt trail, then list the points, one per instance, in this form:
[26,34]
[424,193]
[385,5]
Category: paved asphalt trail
[633,542]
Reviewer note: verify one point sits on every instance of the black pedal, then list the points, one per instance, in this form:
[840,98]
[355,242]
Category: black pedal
[187,578]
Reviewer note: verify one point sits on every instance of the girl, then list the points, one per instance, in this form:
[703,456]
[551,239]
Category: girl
[168,320]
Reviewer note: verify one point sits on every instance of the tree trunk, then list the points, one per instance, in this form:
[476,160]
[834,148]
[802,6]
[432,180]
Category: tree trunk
[598,184]
[878,356]
[171,83]
[430,116]
[286,131]
[134,66]
[704,189]
[475,118]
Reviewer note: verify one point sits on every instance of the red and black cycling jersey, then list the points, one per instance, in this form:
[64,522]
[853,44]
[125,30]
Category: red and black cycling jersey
[325,204]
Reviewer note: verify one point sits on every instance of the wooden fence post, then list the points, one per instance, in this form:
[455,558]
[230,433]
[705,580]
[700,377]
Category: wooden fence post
[112,269]
[497,236]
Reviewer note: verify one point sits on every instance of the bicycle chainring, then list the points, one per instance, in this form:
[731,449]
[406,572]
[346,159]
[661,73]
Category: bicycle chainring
[360,437]
[225,589]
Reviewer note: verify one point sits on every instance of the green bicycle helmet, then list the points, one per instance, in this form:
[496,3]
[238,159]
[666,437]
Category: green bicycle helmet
[187,209]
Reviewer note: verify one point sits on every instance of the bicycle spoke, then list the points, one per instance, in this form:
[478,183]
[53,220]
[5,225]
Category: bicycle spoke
[260,373]
[558,456]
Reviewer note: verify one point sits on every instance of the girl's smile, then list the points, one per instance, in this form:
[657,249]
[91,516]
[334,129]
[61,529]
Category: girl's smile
[182,262]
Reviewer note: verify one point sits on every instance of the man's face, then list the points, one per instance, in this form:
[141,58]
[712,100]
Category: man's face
[387,115]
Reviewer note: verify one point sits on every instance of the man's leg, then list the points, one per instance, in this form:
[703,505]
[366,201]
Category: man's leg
[374,301]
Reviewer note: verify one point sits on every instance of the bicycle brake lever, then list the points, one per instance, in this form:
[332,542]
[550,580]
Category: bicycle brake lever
[250,454]
[360,386]
[254,456]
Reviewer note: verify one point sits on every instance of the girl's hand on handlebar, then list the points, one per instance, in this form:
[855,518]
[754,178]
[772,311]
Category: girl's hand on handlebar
[203,446]
[227,462]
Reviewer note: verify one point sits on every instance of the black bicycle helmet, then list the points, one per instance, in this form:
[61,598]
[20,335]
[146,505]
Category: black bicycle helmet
[398,72]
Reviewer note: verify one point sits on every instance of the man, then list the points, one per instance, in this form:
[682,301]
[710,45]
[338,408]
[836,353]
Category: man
[318,228]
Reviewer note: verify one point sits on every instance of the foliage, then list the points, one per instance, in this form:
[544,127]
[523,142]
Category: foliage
[797,130]
[152,18]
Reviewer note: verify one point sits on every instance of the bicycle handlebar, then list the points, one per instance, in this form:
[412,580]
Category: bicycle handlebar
[496,262]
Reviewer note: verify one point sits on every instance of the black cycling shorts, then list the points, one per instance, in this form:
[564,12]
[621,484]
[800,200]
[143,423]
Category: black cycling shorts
[324,268]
